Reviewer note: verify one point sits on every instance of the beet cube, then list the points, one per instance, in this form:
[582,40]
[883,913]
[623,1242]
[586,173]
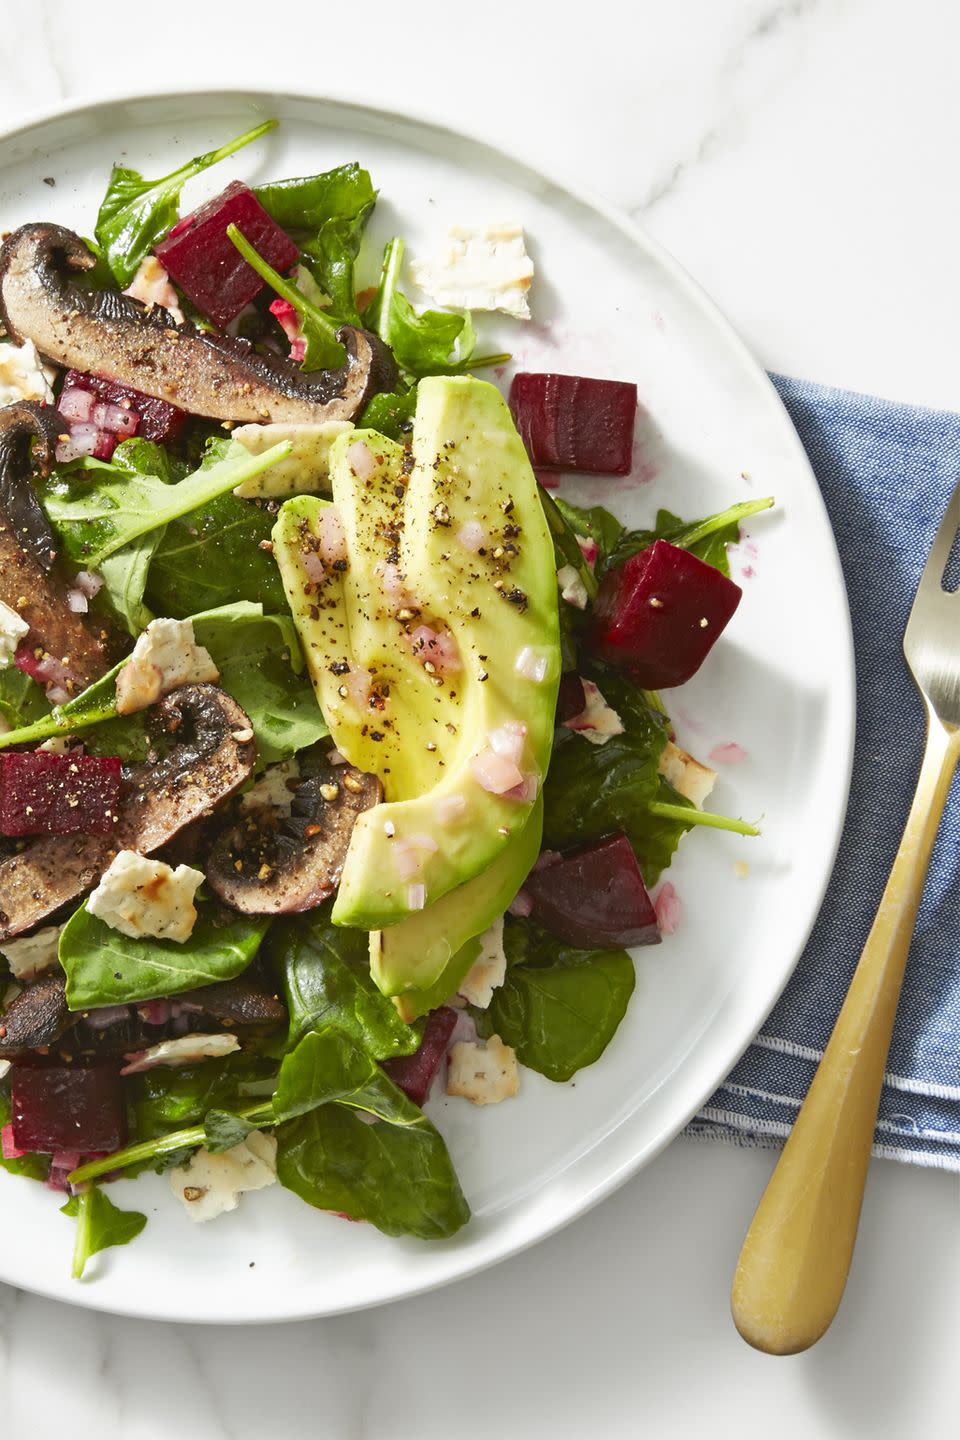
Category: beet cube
[158,420]
[202,259]
[569,422]
[46,794]
[595,897]
[68,1107]
[415,1073]
[659,613]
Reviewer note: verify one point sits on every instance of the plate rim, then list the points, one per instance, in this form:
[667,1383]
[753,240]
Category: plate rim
[618,1174]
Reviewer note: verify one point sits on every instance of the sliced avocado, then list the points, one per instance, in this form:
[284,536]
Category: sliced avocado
[430,953]
[409,564]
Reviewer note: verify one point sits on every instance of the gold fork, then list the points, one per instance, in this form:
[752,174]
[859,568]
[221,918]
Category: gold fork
[793,1266]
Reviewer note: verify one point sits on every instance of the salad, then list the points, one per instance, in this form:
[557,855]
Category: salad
[335,770]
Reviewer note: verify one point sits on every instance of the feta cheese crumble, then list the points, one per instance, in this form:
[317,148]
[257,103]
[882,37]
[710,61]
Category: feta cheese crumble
[305,471]
[30,955]
[489,970]
[572,588]
[479,269]
[483,1071]
[184,1050]
[209,1185]
[142,897]
[13,628]
[597,722]
[22,377]
[693,779]
[165,656]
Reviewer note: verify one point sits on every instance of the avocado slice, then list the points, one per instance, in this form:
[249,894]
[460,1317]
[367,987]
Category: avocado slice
[430,953]
[410,563]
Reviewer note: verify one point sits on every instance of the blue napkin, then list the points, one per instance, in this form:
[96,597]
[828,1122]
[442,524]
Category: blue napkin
[886,472]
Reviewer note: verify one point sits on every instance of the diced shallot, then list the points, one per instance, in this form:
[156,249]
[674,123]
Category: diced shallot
[472,535]
[331,536]
[508,740]
[394,589]
[88,583]
[77,602]
[76,405]
[361,460]
[416,896]
[495,773]
[668,908]
[526,792]
[531,665]
[8,1149]
[450,808]
[82,439]
[521,905]
[435,649]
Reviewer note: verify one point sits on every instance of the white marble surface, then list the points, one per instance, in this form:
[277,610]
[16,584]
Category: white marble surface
[800,158]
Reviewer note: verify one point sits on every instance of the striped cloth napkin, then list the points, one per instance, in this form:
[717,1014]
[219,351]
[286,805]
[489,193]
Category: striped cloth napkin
[886,472]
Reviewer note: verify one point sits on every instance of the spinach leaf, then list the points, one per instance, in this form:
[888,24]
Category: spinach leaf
[707,539]
[112,506]
[136,213]
[105,967]
[33,1167]
[396,1172]
[558,1007]
[325,973]
[261,666]
[309,201]
[593,523]
[392,414]
[223,1130]
[330,257]
[100,1224]
[170,1097]
[22,701]
[212,557]
[323,350]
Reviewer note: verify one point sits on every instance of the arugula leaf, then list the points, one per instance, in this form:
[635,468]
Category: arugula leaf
[421,343]
[325,973]
[396,1173]
[136,213]
[323,350]
[100,1224]
[309,201]
[330,257]
[113,506]
[223,1130]
[105,967]
[593,523]
[32,1167]
[212,556]
[22,701]
[90,707]
[125,573]
[391,414]
[707,539]
[558,1007]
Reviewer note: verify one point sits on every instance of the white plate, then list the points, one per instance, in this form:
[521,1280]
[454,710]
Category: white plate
[607,302]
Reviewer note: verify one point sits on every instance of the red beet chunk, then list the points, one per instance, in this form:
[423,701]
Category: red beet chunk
[200,256]
[658,615]
[45,794]
[156,419]
[571,697]
[68,1107]
[595,897]
[569,422]
[415,1073]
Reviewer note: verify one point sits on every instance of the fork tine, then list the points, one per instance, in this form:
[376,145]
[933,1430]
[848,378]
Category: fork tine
[933,571]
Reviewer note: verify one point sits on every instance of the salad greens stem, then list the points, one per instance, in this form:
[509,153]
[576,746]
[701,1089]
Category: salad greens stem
[188,1139]
[377,318]
[309,313]
[81,1243]
[736,513]
[655,701]
[213,157]
[689,816]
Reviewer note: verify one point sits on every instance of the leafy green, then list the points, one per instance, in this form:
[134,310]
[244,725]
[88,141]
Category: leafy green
[212,557]
[98,509]
[125,572]
[396,1172]
[707,539]
[391,414]
[105,967]
[22,701]
[325,973]
[158,1149]
[558,1007]
[169,1097]
[593,523]
[136,213]
[308,202]
[90,707]
[331,254]
[222,1130]
[100,1224]
[323,350]
[33,1167]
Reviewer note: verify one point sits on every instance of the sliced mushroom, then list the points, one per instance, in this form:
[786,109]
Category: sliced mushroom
[105,333]
[28,580]
[270,863]
[235,1002]
[208,761]
[38,1016]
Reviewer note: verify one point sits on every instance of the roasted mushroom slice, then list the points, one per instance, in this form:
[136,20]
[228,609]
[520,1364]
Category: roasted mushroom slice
[73,650]
[235,1003]
[104,333]
[269,863]
[212,755]
[36,1018]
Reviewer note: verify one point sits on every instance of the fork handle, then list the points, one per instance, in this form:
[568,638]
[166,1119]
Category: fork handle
[793,1266]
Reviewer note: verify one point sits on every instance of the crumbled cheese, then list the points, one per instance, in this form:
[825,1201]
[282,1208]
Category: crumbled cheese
[184,1050]
[693,779]
[152,286]
[271,789]
[597,722]
[209,1184]
[30,955]
[5,1068]
[22,377]
[305,471]
[489,970]
[141,897]
[12,630]
[57,745]
[166,655]
[572,588]
[483,1071]
[479,269]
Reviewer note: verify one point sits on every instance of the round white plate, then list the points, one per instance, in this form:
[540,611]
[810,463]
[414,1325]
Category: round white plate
[606,302]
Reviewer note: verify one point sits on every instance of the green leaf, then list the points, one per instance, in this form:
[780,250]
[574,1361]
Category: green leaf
[707,539]
[328,1066]
[136,213]
[323,349]
[558,1007]
[125,579]
[100,1225]
[22,701]
[223,1130]
[330,256]
[325,973]
[93,705]
[162,1150]
[421,343]
[98,509]
[593,523]
[310,201]
[212,557]
[105,967]
[170,1097]
[391,414]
